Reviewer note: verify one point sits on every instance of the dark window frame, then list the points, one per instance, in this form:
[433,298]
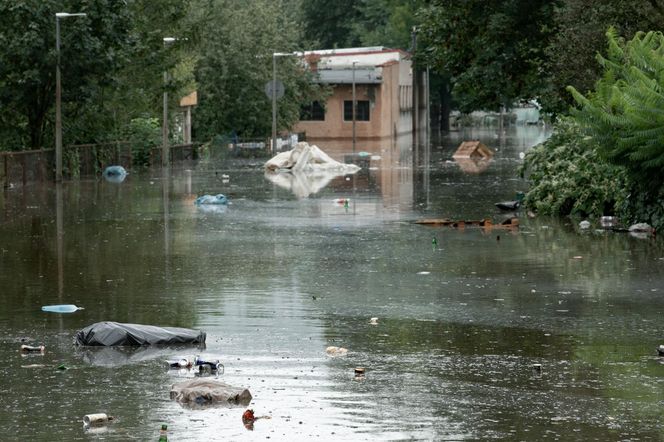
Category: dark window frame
[362,110]
[313,112]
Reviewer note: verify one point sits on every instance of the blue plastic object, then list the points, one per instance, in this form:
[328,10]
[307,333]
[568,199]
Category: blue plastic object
[115,174]
[61,308]
[211,199]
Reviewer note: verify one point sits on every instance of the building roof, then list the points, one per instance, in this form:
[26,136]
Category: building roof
[337,66]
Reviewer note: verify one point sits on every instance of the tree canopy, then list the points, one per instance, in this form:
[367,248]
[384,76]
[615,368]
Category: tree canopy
[91,53]
[492,50]
[624,113]
[235,63]
[580,27]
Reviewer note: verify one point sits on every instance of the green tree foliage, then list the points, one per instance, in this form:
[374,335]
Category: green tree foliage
[624,113]
[580,27]
[91,48]
[568,176]
[352,23]
[143,134]
[624,116]
[386,22]
[112,65]
[493,50]
[237,43]
[330,24]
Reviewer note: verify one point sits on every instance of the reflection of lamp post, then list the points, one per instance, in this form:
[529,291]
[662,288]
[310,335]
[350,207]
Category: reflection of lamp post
[354,104]
[58,111]
[164,124]
[274,94]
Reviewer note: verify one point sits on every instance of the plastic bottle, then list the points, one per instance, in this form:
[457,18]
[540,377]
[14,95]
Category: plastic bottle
[163,433]
[96,419]
[179,363]
[61,308]
[212,364]
[32,349]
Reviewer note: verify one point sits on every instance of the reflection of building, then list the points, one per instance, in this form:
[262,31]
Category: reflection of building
[383,94]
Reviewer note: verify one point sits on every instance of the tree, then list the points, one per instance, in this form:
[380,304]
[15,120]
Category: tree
[624,113]
[331,25]
[492,50]
[112,65]
[238,41]
[386,22]
[580,27]
[90,50]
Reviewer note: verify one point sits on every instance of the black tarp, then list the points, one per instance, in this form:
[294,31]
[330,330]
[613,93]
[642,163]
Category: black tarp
[109,333]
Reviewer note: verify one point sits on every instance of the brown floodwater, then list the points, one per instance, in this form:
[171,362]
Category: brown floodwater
[285,270]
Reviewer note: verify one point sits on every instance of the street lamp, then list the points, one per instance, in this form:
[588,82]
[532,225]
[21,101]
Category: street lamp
[164,125]
[354,104]
[274,93]
[58,93]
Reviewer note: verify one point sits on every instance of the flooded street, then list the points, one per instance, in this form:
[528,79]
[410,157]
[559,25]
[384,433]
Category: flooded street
[274,279]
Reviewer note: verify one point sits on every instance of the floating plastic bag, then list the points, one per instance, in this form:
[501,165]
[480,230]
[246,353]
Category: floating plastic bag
[211,199]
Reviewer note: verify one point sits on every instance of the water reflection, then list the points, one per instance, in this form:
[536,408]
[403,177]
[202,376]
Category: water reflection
[301,183]
[276,280]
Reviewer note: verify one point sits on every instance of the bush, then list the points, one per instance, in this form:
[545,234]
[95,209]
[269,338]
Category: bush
[568,177]
[143,134]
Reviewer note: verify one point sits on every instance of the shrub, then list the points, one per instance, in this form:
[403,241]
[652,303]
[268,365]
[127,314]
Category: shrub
[143,134]
[568,177]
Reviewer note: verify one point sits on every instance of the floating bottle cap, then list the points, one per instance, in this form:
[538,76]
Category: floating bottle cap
[359,371]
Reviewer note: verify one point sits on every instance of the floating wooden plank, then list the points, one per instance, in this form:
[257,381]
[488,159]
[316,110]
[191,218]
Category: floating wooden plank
[486,223]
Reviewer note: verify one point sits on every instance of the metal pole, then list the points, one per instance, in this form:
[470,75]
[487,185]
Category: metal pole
[274,102]
[58,112]
[164,126]
[354,106]
[58,93]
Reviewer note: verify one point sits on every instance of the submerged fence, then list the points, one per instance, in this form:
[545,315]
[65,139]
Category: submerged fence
[84,160]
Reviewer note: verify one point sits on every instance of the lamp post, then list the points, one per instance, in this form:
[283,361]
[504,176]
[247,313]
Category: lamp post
[58,93]
[274,93]
[354,104]
[164,125]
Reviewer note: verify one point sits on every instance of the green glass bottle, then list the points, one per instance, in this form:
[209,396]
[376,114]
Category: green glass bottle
[163,433]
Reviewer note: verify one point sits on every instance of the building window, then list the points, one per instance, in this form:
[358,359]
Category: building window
[361,111]
[313,112]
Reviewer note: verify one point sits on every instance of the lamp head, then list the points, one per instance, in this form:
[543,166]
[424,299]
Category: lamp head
[67,14]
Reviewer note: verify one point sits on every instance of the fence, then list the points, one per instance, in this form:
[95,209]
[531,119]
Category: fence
[82,160]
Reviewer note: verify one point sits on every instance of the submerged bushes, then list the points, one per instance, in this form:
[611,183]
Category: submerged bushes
[569,178]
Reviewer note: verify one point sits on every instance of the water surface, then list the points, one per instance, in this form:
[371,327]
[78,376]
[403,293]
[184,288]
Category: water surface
[275,279]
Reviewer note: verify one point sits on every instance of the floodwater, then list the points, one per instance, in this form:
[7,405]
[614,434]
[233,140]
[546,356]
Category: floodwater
[284,271]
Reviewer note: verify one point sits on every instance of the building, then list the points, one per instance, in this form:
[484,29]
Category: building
[383,81]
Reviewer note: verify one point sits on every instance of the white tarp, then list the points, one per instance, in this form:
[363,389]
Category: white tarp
[305,169]
[308,158]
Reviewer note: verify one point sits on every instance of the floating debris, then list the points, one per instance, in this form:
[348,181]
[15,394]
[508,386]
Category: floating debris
[96,419]
[486,223]
[61,308]
[336,351]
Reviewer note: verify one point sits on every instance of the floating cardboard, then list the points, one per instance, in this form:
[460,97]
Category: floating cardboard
[473,150]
